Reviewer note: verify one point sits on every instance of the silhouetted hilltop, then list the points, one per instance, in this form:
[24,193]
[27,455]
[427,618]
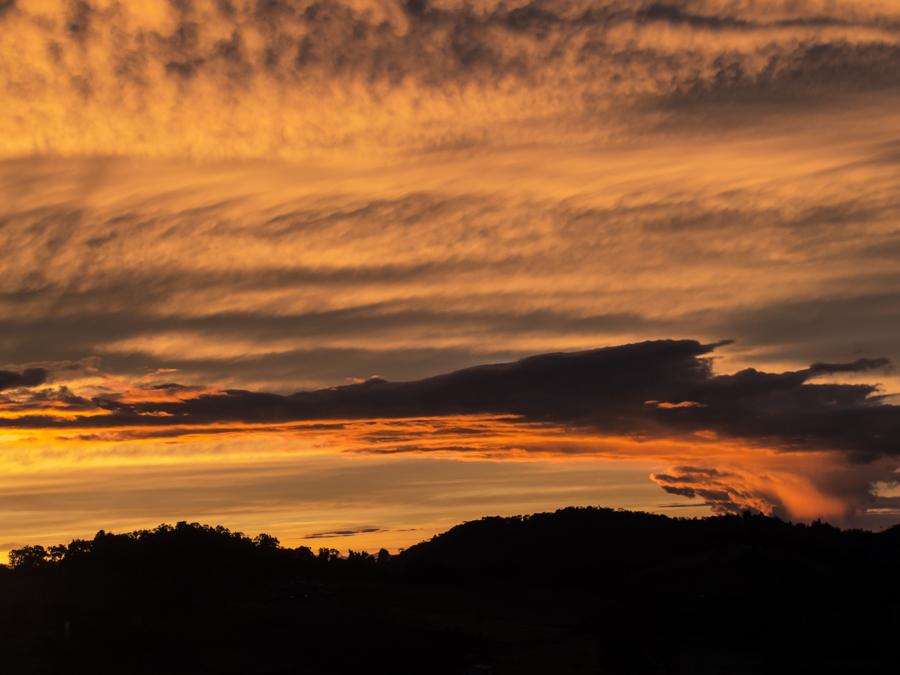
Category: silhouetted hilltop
[587,540]
[581,590]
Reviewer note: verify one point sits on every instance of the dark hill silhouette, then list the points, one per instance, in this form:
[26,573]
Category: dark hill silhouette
[581,590]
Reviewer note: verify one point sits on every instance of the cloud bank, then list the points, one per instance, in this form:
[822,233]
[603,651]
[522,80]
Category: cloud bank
[643,394]
[652,388]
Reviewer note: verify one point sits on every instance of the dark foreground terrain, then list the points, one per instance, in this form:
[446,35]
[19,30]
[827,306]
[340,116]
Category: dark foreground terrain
[576,591]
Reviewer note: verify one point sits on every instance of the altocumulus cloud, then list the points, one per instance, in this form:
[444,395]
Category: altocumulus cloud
[118,72]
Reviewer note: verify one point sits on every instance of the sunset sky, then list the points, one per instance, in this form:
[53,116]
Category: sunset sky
[249,245]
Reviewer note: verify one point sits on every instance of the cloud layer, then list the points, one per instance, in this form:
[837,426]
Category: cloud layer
[208,206]
[264,77]
[662,388]
[825,445]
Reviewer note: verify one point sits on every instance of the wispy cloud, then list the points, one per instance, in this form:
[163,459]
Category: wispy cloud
[333,534]
[199,77]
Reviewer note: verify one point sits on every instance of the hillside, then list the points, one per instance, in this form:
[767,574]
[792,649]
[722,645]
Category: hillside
[583,590]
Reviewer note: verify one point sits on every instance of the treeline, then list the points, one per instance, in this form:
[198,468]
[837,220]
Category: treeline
[191,544]
[571,540]
[578,590]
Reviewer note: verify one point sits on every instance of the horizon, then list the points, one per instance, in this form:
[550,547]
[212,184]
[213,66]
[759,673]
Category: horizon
[485,520]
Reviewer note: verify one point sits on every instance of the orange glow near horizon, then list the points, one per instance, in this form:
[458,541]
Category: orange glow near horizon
[202,457]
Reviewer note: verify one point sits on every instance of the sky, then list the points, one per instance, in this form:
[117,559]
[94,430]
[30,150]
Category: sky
[350,273]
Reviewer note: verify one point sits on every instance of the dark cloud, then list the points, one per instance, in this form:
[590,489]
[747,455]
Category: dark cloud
[714,487]
[30,377]
[331,534]
[171,387]
[617,390]
[38,397]
[854,367]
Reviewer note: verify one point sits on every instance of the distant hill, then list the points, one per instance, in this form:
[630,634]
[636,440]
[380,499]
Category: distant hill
[581,590]
[586,540]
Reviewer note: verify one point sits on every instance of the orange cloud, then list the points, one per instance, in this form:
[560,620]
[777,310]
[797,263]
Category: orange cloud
[214,79]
